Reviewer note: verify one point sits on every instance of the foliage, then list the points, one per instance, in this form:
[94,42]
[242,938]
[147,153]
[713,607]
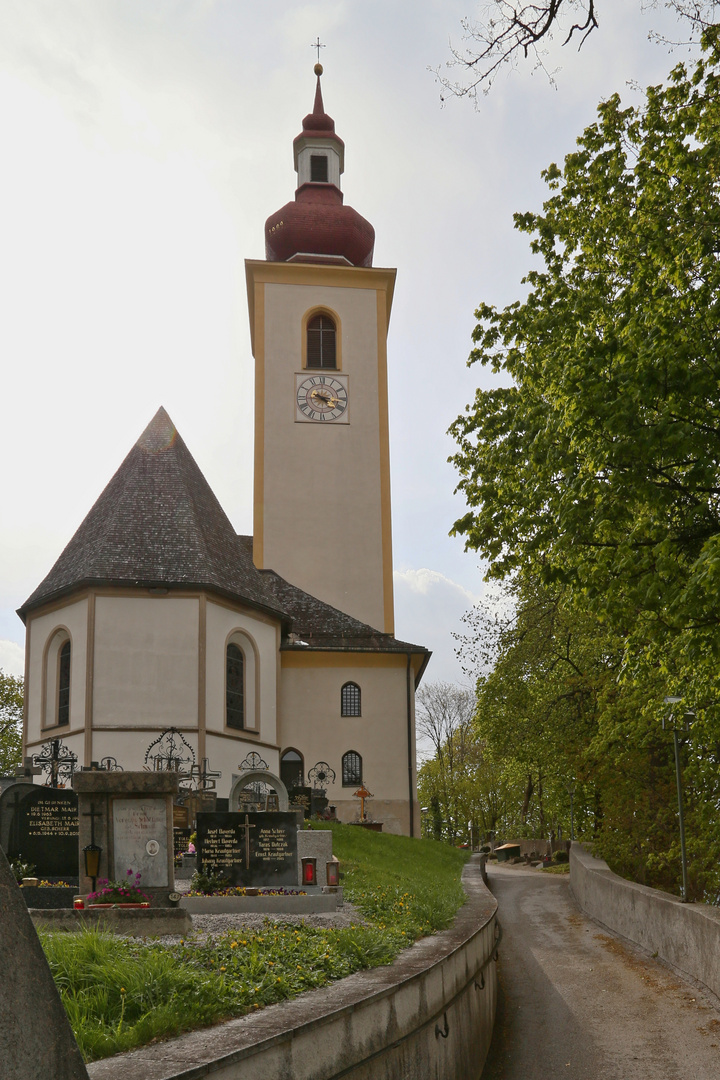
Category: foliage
[121,993]
[11,718]
[593,486]
[21,869]
[119,892]
[212,881]
[508,31]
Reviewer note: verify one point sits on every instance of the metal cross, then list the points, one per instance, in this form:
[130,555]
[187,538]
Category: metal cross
[317,45]
[92,813]
[203,776]
[247,827]
[57,761]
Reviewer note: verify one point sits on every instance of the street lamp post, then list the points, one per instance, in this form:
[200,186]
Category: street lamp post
[671,722]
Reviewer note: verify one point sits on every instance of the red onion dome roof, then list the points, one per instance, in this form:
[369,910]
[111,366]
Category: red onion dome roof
[318,228]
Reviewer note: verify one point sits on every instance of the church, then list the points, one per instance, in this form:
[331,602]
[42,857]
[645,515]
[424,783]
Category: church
[277,647]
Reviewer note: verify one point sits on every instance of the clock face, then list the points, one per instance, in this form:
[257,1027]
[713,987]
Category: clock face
[321,398]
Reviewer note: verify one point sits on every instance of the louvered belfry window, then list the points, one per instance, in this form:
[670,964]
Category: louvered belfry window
[318,168]
[63,711]
[321,351]
[350,700]
[234,699]
[351,769]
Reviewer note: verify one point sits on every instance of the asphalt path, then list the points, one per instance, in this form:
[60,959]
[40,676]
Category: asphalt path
[578,1004]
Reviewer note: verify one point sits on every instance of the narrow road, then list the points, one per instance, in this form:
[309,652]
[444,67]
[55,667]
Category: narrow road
[577,1004]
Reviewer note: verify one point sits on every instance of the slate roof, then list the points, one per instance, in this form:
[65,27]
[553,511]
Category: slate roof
[157,524]
[321,626]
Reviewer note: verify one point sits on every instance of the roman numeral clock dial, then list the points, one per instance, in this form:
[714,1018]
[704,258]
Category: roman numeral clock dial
[321,399]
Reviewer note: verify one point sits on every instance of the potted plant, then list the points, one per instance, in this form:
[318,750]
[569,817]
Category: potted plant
[118,893]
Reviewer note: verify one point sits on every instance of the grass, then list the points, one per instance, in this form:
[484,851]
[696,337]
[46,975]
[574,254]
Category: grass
[121,993]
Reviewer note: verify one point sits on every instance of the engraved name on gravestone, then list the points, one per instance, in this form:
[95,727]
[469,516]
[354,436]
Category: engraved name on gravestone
[251,849]
[140,840]
[41,825]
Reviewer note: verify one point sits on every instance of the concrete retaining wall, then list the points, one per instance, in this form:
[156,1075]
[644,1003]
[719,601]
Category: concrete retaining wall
[685,936]
[428,1016]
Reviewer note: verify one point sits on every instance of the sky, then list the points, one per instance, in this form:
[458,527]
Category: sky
[145,142]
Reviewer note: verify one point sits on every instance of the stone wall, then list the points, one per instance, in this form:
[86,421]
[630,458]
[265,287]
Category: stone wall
[428,1016]
[685,936]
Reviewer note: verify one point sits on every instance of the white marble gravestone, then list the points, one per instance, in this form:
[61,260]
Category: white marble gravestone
[140,831]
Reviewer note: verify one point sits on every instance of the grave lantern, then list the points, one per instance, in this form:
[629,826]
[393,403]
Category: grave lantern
[91,854]
[332,870]
[309,871]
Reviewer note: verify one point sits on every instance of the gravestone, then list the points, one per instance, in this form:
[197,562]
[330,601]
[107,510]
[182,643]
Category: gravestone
[140,839]
[40,824]
[36,1041]
[181,839]
[250,849]
[129,816]
[301,796]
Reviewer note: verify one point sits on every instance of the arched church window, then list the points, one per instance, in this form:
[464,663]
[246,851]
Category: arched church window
[63,698]
[319,168]
[321,342]
[291,768]
[234,695]
[350,702]
[351,769]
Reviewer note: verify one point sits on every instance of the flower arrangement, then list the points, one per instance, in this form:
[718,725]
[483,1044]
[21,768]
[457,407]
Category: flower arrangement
[119,892]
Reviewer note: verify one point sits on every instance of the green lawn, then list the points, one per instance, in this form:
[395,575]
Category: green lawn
[120,994]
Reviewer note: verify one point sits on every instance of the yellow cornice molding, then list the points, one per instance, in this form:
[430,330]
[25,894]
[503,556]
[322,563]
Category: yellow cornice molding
[260,272]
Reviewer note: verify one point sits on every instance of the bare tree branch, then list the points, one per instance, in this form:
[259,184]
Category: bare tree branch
[508,31]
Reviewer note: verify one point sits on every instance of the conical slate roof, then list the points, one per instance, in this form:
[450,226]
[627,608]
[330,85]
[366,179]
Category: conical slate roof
[157,524]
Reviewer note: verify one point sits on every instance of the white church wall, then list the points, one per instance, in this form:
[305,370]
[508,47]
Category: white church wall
[257,638]
[312,723]
[70,619]
[321,483]
[146,661]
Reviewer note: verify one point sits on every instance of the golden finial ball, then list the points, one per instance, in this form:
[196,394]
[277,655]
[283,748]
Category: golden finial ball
[318,69]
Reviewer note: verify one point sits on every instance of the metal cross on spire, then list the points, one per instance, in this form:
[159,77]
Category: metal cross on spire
[317,45]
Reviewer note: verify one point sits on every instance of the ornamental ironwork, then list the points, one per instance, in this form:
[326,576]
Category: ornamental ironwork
[109,764]
[251,762]
[201,779]
[172,753]
[321,775]
[57,761]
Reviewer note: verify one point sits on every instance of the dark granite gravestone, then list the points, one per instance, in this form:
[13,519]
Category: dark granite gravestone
[40,825]
[301,796]
[251,849]
[36,1041]
[181,839]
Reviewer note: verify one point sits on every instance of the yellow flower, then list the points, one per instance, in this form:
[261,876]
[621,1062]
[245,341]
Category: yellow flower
[233,944]
[122,989]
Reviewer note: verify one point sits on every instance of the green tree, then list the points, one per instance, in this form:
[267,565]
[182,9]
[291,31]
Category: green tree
[596,472]
[11,715]
[598,466]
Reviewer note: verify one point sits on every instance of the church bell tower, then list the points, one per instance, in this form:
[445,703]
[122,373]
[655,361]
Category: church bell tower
[319,316]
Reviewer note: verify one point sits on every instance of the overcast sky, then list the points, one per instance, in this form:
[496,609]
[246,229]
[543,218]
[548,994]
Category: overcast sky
[144,142]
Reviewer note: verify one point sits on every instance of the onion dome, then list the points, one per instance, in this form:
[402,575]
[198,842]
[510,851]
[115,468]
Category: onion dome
[317,227]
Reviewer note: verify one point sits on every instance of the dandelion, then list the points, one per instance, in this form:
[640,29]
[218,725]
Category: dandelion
[233,944]
[222,969]
[122,990]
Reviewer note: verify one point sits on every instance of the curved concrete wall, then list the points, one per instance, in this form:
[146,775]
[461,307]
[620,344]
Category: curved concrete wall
[685,936]
[428,1016]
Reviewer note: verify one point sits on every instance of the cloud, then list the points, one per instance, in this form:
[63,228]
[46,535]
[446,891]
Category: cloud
[12,658]
[429,607]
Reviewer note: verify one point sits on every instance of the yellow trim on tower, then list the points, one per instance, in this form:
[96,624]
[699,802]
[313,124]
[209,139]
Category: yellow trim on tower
[384,432]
